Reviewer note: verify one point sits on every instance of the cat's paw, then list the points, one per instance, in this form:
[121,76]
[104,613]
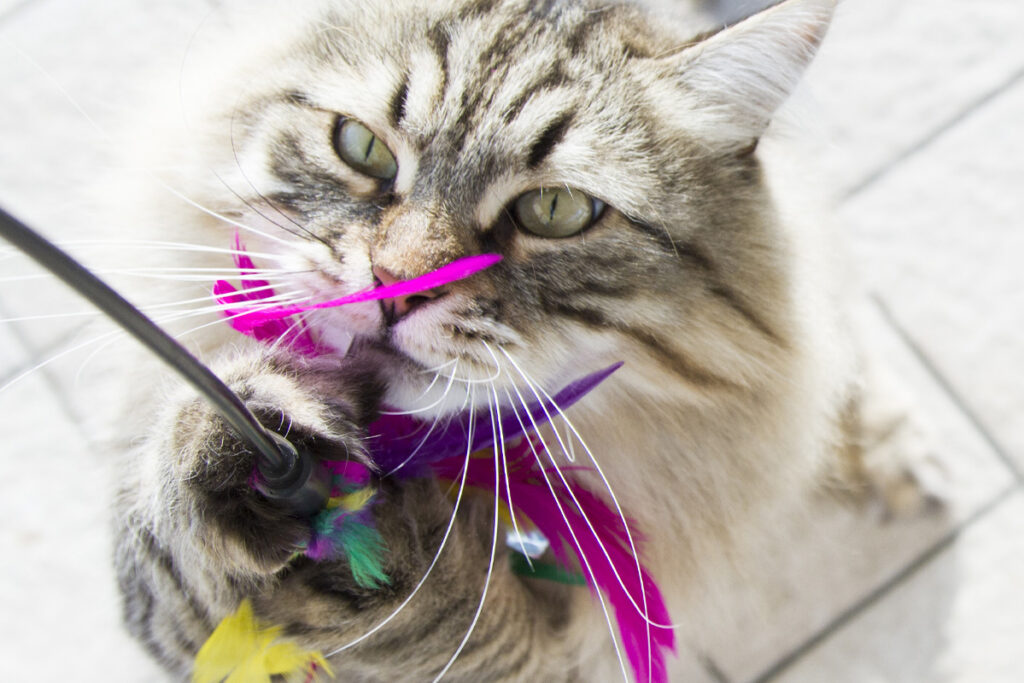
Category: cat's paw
[214,470]
[901,471]
[889,459]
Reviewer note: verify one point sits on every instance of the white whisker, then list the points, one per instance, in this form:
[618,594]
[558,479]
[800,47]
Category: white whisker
[490,570]
[416,450]
[183,275]
[300,323]
[442,366]
[56,357]
[444,395]
[554,496]
[643,611]
[283,299]
[103,134]
[157,245]
[499,438]
[569,455]
[437,555]
[118,334]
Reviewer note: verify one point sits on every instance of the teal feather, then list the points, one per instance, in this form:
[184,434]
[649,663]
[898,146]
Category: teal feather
[364,549]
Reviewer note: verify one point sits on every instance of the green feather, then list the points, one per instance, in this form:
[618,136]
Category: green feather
[364,549]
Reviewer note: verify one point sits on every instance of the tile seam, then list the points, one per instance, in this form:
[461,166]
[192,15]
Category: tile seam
[947,387]
[881,591]
[923,143]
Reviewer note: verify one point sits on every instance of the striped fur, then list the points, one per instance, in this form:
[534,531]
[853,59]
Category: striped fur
[699,275]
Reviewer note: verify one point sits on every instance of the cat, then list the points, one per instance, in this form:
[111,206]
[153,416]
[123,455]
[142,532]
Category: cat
[618,161]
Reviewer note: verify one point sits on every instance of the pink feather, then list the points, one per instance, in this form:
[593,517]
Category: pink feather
[271,324]
[602,548]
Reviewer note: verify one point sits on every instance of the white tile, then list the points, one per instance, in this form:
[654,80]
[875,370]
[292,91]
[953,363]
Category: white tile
[941,239]
[891,72]
[55,569]
[835,557]
[13,355]
[9,5]
[71,71]
[958,620]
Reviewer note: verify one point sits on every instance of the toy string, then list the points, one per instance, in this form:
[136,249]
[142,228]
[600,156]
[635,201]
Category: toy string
[288,472]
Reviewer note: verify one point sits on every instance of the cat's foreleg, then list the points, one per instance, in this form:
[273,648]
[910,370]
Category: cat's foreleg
[195,538]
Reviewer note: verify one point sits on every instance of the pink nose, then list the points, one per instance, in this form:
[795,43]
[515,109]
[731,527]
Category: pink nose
[400,306]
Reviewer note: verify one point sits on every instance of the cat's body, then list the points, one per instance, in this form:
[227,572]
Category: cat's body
[713,285]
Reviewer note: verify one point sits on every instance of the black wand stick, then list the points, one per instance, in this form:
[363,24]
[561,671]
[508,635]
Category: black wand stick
[286,474]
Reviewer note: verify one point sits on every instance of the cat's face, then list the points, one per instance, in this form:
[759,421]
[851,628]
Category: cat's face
[600,155]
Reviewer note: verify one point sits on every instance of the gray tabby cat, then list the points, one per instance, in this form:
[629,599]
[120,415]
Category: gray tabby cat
[614,160]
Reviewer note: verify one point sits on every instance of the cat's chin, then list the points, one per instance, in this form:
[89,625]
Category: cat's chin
[424,388]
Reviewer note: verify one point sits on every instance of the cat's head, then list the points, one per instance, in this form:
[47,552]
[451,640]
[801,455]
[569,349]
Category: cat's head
[608,157]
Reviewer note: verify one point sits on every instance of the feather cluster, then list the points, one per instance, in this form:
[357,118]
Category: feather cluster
[586,535]
[344,529]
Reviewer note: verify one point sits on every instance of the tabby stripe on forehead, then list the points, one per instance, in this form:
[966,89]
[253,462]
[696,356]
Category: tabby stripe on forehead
[399,102]
[581,33]
[677,363]
[439,42]
[297,97]
[549,80]
[548,140]
[474,9]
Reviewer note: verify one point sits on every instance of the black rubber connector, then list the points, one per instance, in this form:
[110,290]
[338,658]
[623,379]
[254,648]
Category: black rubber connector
[299,482]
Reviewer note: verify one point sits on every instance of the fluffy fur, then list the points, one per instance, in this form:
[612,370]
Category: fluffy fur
[702,275]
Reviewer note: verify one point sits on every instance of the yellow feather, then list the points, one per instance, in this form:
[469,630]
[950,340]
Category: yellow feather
[241,650]
[356,500]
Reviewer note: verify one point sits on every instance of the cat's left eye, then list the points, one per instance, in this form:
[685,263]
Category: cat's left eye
[361,149]
[556,212]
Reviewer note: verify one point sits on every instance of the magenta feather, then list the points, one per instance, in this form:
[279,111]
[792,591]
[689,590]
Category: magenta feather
[270,323]
[575,520]
[292,333]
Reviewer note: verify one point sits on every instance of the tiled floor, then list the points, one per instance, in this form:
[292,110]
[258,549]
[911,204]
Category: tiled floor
[921,103]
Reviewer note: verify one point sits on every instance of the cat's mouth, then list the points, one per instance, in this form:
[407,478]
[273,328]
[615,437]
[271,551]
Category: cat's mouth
[395,309]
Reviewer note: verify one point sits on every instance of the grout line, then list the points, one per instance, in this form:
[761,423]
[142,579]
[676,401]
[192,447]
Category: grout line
[712,669]
[60,396]
[885,588]
[904,574]
[932,136]
[19,339]
[948,388]
[11,12]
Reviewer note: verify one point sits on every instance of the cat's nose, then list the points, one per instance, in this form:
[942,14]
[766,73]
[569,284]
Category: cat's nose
[398,307]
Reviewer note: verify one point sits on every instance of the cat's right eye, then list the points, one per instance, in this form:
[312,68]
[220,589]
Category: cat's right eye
[358,147]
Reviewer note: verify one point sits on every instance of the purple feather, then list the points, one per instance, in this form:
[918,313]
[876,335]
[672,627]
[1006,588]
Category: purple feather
[395,437]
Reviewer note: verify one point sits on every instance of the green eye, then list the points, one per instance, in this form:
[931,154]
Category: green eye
[556,212]
[363,151]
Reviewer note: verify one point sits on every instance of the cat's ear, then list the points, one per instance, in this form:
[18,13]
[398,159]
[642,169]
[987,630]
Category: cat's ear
[733,82]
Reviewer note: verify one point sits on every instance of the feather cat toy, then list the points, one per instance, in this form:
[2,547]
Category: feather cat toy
[575,522]
[582,530]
